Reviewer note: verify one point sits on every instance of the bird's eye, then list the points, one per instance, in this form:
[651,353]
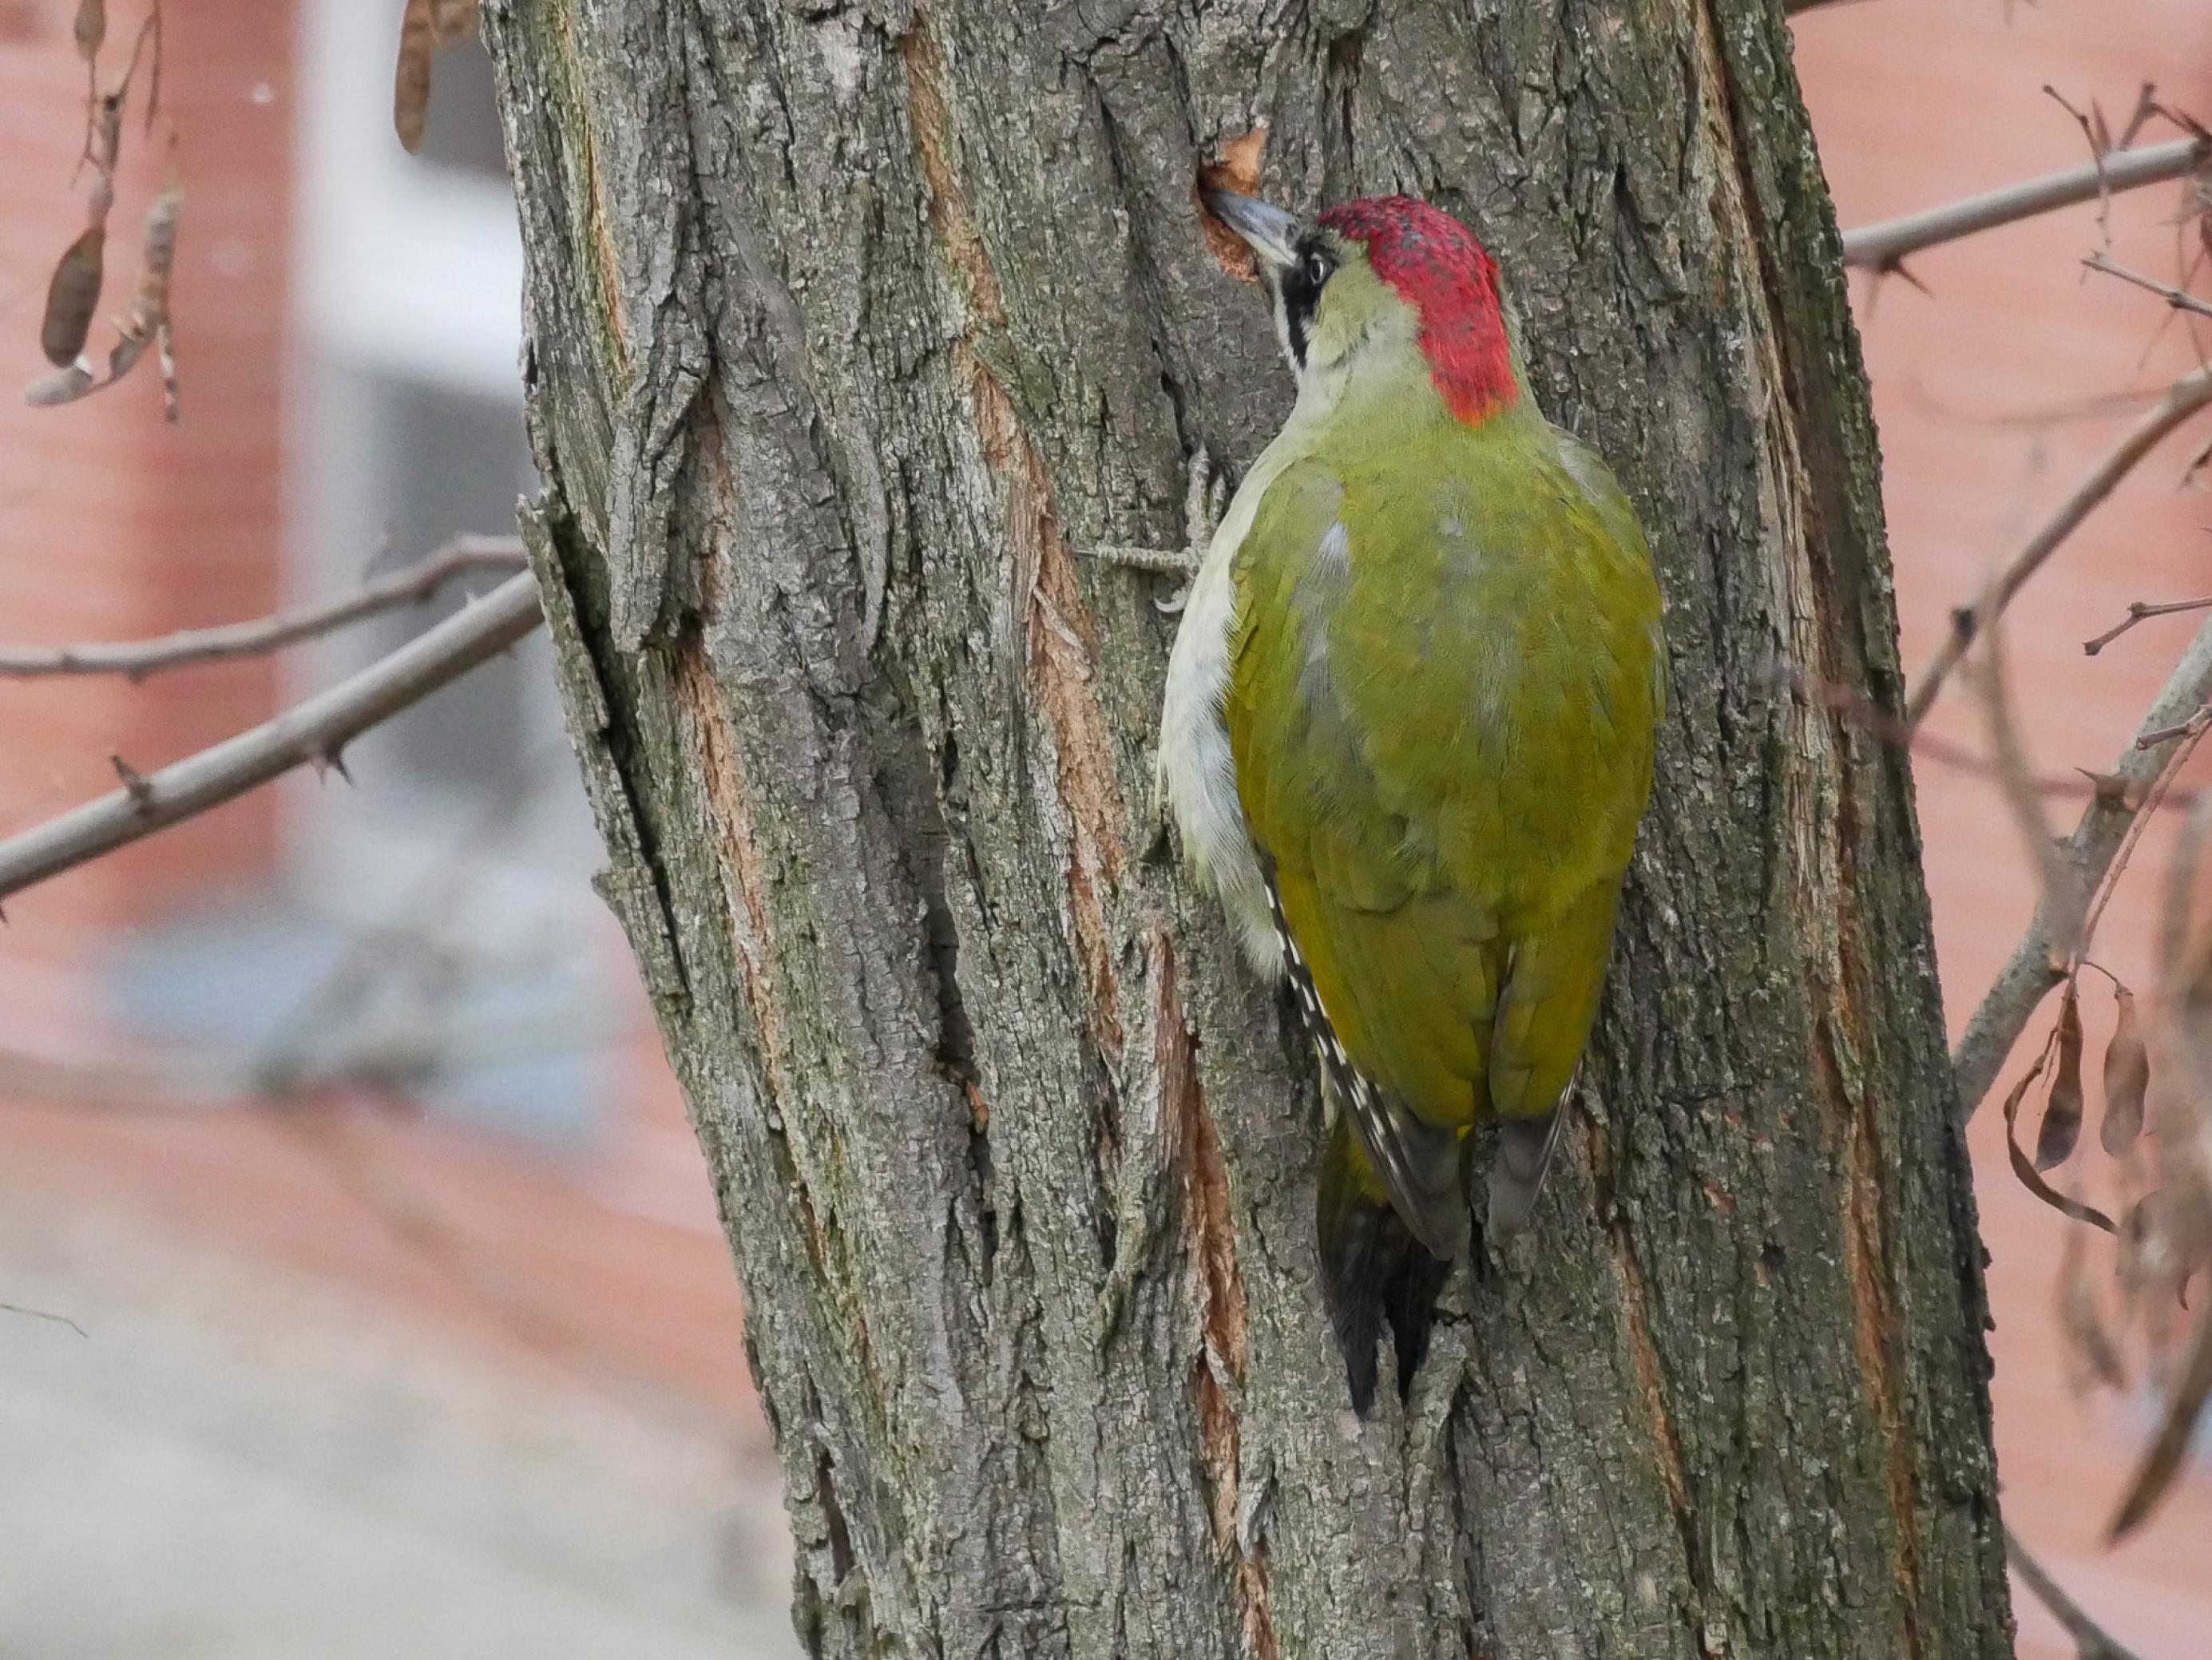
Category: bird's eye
[1317,268]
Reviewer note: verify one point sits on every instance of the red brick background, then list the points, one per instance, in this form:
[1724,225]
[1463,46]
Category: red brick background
[1977,390]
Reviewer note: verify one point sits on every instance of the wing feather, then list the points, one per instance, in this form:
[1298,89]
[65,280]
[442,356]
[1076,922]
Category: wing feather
[1442,730]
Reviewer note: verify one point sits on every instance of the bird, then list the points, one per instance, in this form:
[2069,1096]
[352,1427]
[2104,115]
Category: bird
[1407,737]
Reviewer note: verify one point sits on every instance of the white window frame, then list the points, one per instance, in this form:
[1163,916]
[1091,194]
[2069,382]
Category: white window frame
[410,271]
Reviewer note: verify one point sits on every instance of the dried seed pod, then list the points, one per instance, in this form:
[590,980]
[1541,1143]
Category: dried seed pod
[91,28]
[2184,1401]
[2024,1167]
[72,298]
[2061,1116]
[2127,1079]
[411,84]
[165,338]
[148,321]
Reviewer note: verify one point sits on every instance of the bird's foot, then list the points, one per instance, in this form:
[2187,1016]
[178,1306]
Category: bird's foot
[1203,500]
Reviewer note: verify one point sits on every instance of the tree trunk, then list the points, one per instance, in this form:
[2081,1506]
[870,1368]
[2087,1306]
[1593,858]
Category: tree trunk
[850,325]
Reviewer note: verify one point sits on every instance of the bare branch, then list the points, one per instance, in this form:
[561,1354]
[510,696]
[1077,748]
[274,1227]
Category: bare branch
[1881,246]
[2183,399]
[1869,716]
[380,1058]
[41,1314]
[2178,299]
[2063,897]
[2091,1640]
[176,1082]
[315,731]
[136,659]
[2028,976]
[2137,610]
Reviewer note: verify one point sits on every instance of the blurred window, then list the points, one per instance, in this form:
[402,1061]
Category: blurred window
[464,838]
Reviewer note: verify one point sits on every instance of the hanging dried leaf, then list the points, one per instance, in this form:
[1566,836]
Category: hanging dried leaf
[410,84]
[72,298]
[2141,1247]
[2080,1318]
[2061,1116]
[2024,1167]
[91,28]
[2162,1234]
[2127,1079]
[2185,1403]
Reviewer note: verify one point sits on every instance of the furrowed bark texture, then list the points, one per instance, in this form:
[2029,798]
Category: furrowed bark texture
[849,323]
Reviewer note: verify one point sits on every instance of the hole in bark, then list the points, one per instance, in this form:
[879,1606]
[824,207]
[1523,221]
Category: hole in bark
[956,1043]
[1236,169]
[1343,81]
[979,1162]
[753,1370]
[956,1032]
[833,1518]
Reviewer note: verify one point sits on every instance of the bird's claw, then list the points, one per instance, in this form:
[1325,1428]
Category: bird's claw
[1203,499]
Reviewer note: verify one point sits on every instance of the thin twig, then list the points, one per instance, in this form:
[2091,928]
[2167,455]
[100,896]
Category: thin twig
[42,1314]
[187,1082]
[2178,299]
[136,659]
[1863,713]
[410,927]
[2091,1640]
[2183,399]
[2011,999]
[1881,246]
[2064,902]
[2163,792]
[2137,610]
[2187,728]
[316,730]
[172,1083]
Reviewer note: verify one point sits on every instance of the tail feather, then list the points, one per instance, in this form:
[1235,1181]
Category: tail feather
[1373,1271]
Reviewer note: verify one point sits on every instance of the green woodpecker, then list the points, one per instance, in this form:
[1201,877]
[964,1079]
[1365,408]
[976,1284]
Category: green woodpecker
[1408,736]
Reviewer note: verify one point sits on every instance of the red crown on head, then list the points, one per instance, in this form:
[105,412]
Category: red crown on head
[1439,268]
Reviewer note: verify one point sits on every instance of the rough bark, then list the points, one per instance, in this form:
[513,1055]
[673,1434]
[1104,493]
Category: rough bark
[849,323]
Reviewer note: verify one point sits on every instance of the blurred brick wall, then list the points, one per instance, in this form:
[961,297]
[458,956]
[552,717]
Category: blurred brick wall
[116,524]
[1915,105]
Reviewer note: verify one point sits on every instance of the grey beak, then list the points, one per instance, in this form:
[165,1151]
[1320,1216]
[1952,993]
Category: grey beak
[1268,231]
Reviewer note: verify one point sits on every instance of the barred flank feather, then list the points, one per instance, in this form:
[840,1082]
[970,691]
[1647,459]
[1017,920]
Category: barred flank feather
[1373,1269]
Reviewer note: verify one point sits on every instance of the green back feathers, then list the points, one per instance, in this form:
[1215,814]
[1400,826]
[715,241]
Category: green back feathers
[1445,680]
